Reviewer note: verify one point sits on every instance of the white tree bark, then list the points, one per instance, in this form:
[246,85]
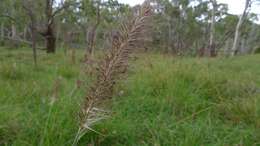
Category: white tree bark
[238,27]
[13,31]
[211,50]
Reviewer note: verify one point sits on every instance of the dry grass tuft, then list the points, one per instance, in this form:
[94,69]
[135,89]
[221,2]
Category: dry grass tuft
[115,64]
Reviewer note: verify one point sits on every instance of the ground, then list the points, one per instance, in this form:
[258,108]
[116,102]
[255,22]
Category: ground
[163,101]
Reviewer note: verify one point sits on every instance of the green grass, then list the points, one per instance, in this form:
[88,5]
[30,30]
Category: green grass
[167,101]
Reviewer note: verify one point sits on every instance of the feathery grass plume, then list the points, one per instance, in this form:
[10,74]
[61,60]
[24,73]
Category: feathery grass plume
[55,90]
[115,64]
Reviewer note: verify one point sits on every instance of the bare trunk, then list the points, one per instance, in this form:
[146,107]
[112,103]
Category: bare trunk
[236,39]
[243,48]
[228,43]
[67,41]
[50,43]
[73,55]
[234,49]
[14,36]
[252,39]
[92,34]
[50,40]
[212,51]
[49,34]
[13,31]
[2,32]
[169,47]
[33,30]
[25,33]
[91,40]
[57,35]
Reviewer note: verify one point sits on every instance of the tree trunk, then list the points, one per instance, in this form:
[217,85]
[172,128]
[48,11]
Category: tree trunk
[91,40]
[252,39]
[13,31]
[234,49]
[50,41]
[92,35]
[49,34]
[228,44]
[73,55]
[236,39]
[14,36]
[243,49]
[57,35]
[33,30]
[25,33]
[212,51]
[2,32]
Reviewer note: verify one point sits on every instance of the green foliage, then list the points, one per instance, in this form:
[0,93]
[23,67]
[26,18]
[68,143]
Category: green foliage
[166,101]
[257,51]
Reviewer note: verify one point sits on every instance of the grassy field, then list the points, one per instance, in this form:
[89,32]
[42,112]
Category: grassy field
[166,101]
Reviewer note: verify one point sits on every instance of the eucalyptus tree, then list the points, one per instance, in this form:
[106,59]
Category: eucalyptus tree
[212,51]
[95,18]
[238,27]
[12,20]
[87,17]
[30,8]
[179,27]
[92,32]
[50,14]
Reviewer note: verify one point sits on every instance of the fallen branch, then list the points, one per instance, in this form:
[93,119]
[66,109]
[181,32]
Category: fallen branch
[22,41]
[18,40]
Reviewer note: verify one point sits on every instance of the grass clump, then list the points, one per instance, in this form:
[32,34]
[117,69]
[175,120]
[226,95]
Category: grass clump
[165,101]
[67,72]
[11,72]
[186,102]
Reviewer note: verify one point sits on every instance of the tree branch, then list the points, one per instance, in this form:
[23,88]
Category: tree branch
[64,6]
